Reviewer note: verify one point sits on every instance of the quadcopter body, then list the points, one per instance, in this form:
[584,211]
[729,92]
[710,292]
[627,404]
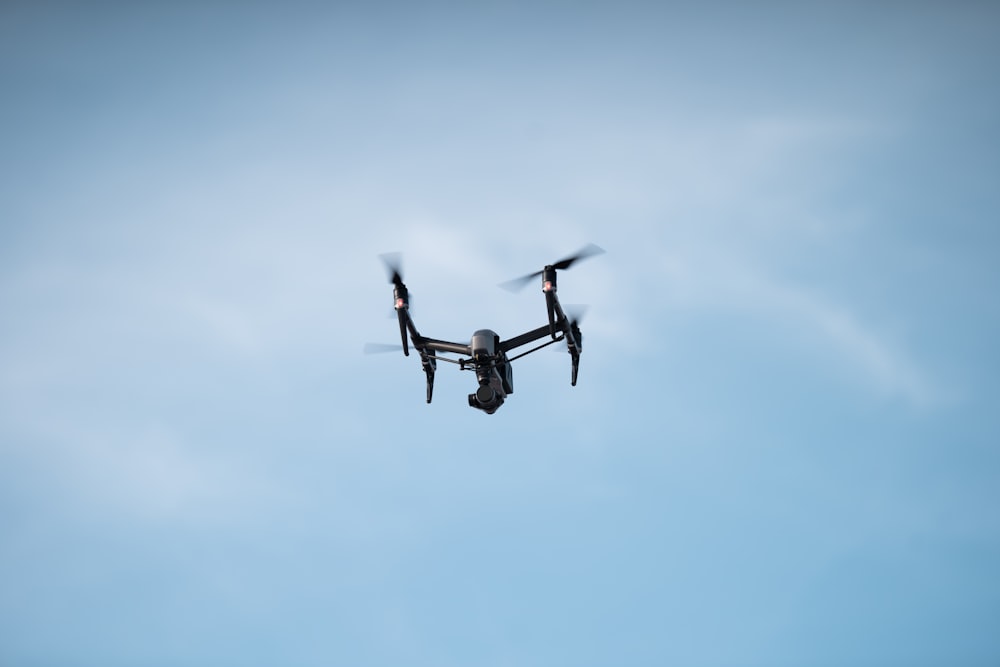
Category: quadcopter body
[486,354]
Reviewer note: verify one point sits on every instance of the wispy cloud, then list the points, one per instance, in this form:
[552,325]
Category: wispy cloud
[720,281]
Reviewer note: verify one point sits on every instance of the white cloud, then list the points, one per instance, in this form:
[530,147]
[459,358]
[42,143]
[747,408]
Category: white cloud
[720,280]
[885,367]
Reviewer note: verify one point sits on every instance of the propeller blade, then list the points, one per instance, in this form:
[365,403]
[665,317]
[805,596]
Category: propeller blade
[394,267]
[575,313]
[588,250]
[380,348]
[517,284]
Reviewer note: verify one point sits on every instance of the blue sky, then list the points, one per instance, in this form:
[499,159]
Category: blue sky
[783,446]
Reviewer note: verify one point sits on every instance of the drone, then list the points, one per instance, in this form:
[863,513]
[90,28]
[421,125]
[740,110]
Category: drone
[487,354]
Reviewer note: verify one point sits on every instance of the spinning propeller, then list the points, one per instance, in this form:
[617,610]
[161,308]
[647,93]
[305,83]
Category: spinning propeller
[379,348]
[557,319]
[393,265]
[517,284]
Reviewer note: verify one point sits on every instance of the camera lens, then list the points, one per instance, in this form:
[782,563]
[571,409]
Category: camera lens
[484,394]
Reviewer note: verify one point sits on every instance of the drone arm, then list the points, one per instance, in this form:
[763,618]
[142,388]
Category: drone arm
[406,325]
[422,345]
[571,333]
[427,360]
[553,310]
[445,346]
[430,365]
[525,338]
[558,320]
[404,322]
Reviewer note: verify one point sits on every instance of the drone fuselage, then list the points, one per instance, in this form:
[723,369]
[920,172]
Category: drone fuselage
[493,372]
